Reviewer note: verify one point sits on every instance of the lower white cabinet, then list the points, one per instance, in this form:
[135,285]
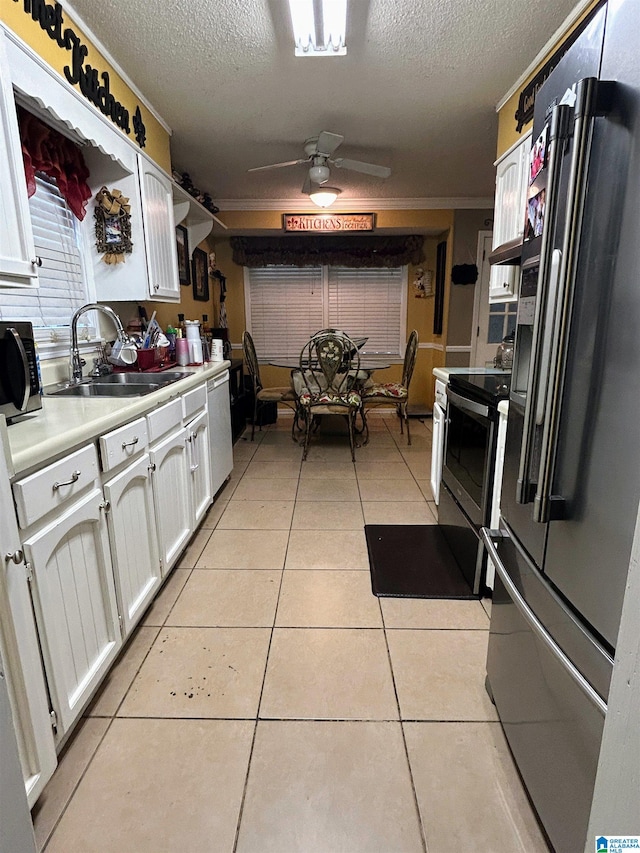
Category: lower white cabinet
[133,540]
[75,603]
[171,481]
[199,467]
[20,653]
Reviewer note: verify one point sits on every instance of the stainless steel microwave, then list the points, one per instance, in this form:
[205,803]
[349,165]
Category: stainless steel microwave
[19,379]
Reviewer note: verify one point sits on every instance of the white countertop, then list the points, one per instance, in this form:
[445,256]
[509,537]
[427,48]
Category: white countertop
[443,373]
[64,423]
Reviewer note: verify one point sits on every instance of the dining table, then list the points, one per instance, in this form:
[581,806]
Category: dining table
[366,368]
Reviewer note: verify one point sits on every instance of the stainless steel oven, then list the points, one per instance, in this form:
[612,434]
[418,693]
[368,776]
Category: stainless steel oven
[468,468]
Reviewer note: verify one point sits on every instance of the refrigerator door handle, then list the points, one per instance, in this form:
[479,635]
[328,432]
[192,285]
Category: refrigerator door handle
[550,326]
[544,506]
[489,537]
[558,133]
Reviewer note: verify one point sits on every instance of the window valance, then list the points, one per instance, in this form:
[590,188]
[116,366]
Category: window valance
[357,251]
[45,150]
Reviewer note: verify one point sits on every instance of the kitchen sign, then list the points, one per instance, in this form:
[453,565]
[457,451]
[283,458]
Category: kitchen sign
[328,223]
[95,87]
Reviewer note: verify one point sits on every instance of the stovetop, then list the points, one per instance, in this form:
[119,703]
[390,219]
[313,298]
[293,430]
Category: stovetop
[489,387]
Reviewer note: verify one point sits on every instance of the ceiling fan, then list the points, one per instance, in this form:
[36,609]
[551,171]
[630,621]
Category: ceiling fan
[318,154]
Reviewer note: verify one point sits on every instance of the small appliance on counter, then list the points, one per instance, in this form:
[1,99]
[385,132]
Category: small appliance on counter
[19,375]
[504,353]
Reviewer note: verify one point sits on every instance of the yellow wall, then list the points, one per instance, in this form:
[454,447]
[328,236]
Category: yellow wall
[13,15]
[507,133]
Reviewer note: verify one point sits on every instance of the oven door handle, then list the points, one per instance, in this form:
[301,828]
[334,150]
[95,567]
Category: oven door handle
[489,537]
[22,397]
[467,405]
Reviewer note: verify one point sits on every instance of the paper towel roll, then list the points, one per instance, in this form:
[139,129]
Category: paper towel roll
[217,351]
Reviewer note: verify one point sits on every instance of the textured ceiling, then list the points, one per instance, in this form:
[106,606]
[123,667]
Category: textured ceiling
[416,92]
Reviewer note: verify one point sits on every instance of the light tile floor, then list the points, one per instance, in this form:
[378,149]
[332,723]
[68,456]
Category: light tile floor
[269,702]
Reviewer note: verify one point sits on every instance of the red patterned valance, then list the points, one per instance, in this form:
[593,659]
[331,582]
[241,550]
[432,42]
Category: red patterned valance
[298,251]
[46,150]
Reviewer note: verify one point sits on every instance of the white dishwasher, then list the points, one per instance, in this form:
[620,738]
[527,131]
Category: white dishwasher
[220,442]
[437,447]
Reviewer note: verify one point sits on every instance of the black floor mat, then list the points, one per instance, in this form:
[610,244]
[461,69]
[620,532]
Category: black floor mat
[413,561]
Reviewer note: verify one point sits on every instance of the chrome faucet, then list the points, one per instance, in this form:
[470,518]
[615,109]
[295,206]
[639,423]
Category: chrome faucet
[75,362]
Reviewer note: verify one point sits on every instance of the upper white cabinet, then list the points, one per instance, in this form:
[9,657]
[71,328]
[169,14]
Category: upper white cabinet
[18,267]
[156,189]
[512,172]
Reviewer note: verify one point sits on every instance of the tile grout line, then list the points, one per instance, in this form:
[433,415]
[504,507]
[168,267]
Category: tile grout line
[423,835]
[264,678]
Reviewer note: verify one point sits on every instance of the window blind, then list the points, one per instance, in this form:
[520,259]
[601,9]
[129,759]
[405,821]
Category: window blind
[62,282]
[368,302]
[285,307]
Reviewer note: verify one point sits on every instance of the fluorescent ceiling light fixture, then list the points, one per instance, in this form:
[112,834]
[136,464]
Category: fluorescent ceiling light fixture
[324,196]
[319,27]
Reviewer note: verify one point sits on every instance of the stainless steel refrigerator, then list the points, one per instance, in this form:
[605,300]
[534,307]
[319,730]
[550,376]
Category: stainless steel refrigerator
[571,480]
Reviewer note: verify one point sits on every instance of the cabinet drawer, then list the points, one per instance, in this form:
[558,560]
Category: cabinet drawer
[164,419]
[194,401]
[123,444]
[55,485]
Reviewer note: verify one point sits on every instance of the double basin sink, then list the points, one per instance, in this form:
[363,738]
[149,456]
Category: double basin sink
[118,385]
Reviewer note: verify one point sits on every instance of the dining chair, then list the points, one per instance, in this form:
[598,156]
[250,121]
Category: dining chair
[262,395]
[396,392]
[329,366]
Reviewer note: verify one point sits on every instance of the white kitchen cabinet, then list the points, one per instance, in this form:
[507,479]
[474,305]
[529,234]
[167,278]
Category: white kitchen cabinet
[512,181]
[199,467]
[133,540]
[75,603]
[159,231]
[18,265]
[21,655]
[171,482]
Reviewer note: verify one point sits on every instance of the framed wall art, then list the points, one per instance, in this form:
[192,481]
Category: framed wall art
[200,275]
[113,225]
[182,242]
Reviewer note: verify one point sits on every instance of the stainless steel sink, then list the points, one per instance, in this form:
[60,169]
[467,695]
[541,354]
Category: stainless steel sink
[117,385]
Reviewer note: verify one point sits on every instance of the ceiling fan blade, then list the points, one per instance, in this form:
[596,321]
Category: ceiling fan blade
[328,142]
[277,165]
[365,168]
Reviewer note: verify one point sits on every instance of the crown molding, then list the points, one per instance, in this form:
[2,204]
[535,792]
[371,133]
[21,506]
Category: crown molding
[554,41]
[356,205]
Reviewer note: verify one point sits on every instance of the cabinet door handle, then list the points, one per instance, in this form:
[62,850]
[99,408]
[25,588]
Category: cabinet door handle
[105,505]
[74,479]
[37,262]
[151,468]
[131,443]
[17,557]
[194,468]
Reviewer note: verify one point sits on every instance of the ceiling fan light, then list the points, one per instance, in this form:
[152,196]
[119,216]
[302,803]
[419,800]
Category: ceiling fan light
[319,174]
[324,196]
